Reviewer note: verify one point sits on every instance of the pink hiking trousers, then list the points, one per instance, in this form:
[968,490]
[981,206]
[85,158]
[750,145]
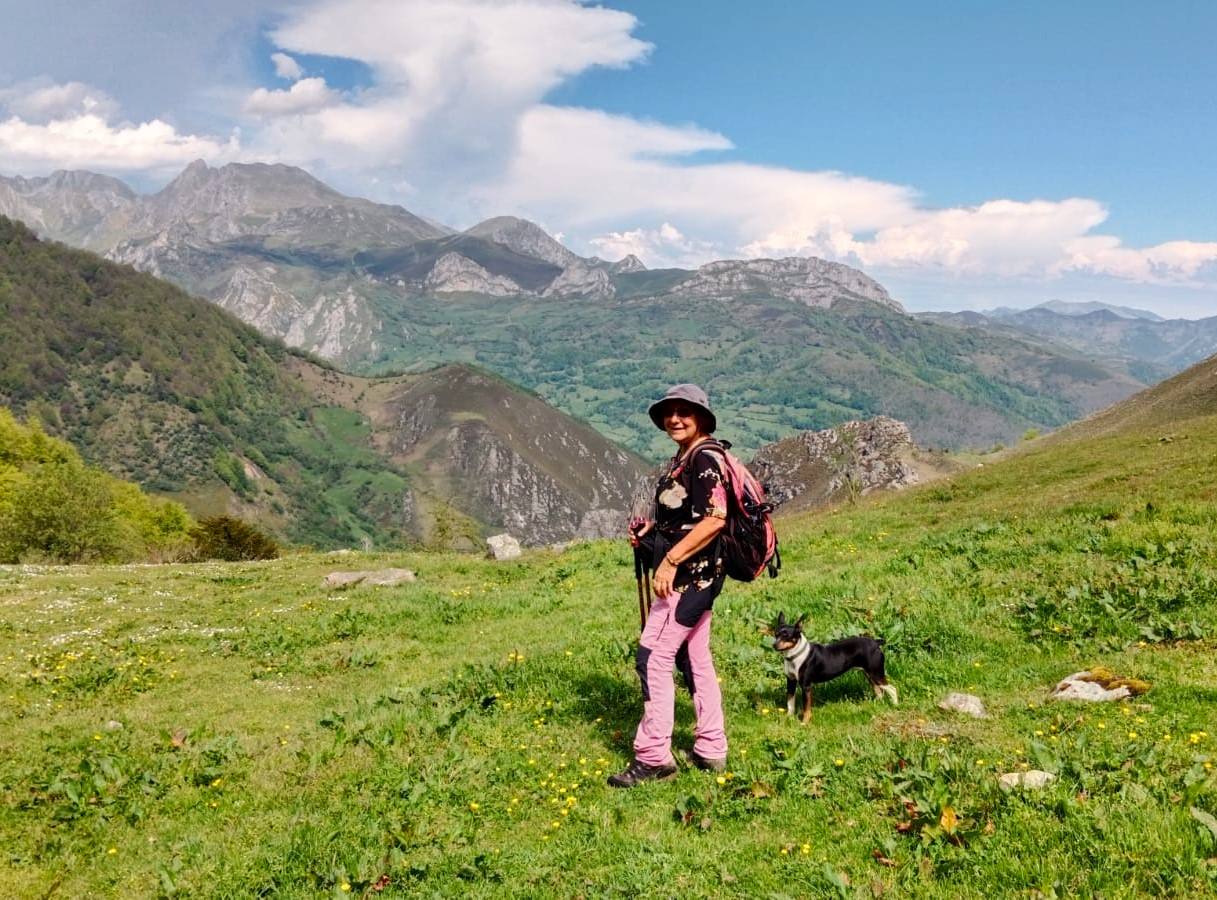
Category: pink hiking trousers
[662,648]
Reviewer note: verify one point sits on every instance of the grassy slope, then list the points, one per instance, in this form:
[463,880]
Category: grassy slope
[334,738]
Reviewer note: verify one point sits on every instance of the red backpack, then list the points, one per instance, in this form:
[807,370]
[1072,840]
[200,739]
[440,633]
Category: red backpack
[749,543]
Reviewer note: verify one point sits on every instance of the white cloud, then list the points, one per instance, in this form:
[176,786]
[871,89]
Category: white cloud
[69,126]
[662,247]
[286,67]
[587,169]
[1002,237]
[1174,262]
[42,101]
[452,79]
[305,96]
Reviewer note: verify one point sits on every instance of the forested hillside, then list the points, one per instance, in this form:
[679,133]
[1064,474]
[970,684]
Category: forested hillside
[173,393]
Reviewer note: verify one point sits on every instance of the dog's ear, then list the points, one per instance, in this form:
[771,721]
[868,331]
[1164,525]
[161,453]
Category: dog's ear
[781,619]
[799,623]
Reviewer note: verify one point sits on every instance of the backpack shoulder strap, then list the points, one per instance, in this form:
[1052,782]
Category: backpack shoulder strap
[708,444]
[719,449]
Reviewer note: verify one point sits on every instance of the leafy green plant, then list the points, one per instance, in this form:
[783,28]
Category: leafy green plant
[54,507]
[229,538]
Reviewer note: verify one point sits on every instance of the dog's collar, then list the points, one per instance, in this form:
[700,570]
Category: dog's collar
[798,652]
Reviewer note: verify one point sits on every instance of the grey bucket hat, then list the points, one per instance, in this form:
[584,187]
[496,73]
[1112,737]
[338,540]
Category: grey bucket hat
[690,393]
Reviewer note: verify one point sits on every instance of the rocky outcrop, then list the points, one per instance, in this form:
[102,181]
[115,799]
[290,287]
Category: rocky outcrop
[629,263]
[819,467]
[453,273]
[814,282]
[333,323]
[254,296]
[507,487]
[582,280]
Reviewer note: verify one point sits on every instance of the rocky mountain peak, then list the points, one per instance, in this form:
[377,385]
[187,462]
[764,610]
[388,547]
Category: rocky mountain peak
[275,201]
[255,187]
[524,237]
[67,205]
[806,279]
[81,180]
[627,263]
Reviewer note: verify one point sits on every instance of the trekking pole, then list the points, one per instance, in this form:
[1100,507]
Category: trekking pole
[646,580]
[640,575]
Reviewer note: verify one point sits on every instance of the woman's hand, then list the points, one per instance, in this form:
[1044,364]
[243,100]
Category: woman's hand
[664,576]
[639,527]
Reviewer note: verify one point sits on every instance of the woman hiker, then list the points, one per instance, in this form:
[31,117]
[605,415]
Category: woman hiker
[690,511]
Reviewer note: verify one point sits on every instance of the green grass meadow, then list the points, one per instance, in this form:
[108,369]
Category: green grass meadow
[235,730]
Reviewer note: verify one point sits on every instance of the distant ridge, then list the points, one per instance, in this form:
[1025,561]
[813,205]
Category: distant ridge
[1068,308]
[1145,346]
[1073,308]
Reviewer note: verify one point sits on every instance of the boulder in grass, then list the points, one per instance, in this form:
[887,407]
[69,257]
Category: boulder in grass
[1033,779]
[502,546]
[378,578]
[1098,685]
[968,704]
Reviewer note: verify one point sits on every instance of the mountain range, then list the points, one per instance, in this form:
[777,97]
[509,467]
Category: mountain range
[1078,308]
[783,345]
[167,390]
[1139,343]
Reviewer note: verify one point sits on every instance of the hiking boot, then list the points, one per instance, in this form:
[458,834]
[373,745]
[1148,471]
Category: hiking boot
[708,765]
[638,772]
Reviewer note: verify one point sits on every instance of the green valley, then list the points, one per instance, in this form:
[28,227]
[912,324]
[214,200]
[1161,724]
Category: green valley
[773,366]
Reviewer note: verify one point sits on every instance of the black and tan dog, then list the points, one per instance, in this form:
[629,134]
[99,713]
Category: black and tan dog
[807,663]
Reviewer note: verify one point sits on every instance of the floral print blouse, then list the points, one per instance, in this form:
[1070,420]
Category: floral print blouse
[689,491]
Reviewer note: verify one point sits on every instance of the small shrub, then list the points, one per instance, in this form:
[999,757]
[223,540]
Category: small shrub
[230,539]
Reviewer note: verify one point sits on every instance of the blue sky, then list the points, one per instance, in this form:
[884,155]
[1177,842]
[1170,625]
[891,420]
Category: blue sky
[964,100]
[966,154]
